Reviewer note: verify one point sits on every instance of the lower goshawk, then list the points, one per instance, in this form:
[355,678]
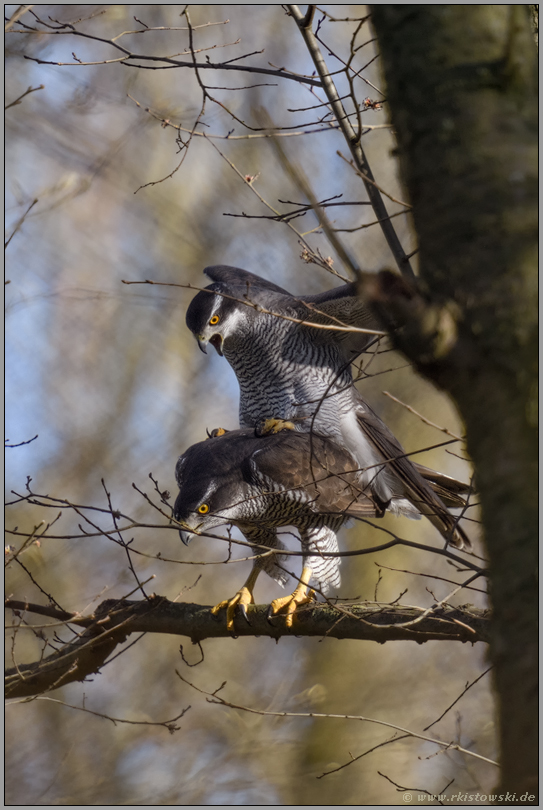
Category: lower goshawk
[262,483]
[290,370]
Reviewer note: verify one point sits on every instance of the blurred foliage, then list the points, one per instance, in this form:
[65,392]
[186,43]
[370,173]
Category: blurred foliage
[112,382]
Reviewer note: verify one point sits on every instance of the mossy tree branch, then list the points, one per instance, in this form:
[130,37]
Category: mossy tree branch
[115,620]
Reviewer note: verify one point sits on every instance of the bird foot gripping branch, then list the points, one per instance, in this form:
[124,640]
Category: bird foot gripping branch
[289,604]
[241,599]
[300,596]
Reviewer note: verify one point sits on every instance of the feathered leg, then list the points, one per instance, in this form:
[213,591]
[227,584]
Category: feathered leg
[316,541]
[265,561]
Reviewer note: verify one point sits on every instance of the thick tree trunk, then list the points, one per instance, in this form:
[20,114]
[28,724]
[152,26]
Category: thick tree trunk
[461,83]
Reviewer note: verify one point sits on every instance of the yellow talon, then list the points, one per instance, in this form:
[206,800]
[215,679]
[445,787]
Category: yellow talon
[267,427]
[291,603]
[241,599]
[300,596]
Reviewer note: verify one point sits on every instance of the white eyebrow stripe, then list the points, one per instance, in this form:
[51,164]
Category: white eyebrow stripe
[210,490]
[216,304]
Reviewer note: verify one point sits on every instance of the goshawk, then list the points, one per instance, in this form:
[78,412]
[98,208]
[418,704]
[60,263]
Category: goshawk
[262,483]
[290,370]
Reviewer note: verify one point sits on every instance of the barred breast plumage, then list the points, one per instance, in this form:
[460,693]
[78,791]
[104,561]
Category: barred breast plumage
[291,370]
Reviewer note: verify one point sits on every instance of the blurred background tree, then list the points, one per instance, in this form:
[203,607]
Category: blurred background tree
[112,383]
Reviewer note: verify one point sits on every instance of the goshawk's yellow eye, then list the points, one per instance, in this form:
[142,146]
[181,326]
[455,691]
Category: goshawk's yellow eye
[215,319]
[203,509]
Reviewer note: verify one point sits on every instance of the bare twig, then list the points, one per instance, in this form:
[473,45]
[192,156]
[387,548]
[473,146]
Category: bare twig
[428,576]
[410,790]
[461,695]
[20,98]
[393,739]
[352,139]
[166,122]
[247,302]
[367,179]
[214,697]
[20,444]
[122,541]
[20,222]
[303,184]
[166,62]
[423,418]
[168,724]
[17,16]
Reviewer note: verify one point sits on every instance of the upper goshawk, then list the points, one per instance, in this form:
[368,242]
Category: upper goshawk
[261,483]
[290,370]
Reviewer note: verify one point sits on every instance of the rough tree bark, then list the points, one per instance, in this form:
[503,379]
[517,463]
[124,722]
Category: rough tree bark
[114,620]
[462,87]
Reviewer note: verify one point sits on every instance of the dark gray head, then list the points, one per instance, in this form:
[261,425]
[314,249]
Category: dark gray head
[212,486]
[218,312]
[212,317]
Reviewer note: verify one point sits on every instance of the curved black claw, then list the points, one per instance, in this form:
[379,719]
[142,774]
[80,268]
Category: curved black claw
[216,432]
[243,610]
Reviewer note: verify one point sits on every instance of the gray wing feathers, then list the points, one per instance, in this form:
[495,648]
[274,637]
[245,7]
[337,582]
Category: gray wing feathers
[450,490]
[236,277]
[415,487]
[341,306]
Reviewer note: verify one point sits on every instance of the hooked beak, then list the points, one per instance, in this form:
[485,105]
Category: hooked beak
[186,537]
[186,533]
[217,341]
[201,345]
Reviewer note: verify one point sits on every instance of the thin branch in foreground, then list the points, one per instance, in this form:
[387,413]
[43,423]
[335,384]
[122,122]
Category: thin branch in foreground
[342,19]
[461,695]
[20,222]
[393,739]
[169,724]
[48,596]
[368,224]
[367,179]
[167,63]
[214,697]
[409,791]
[303,184]
[166,122]
[428,576]
[248,303]
[352,139]
[423,418]
[122,541]
[465,564]
[314,256]
[17,16]
[19,99]
[20,444]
